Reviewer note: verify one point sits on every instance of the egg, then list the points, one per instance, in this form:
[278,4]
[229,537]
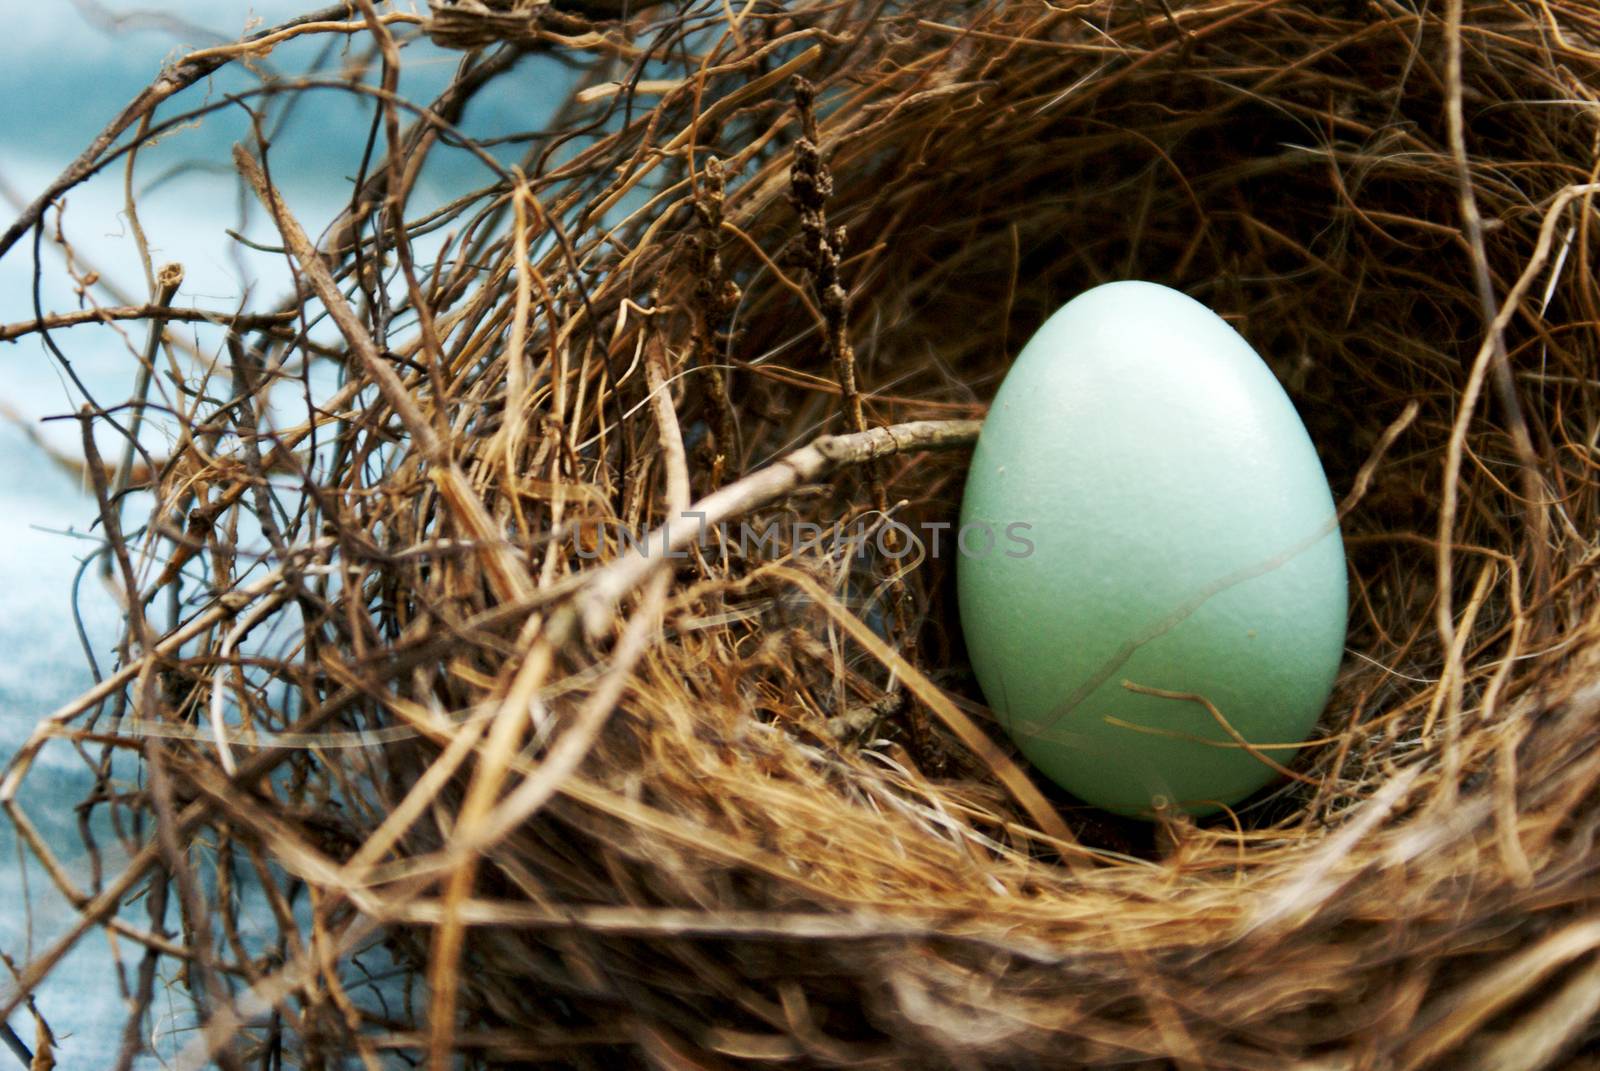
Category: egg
[1150,574]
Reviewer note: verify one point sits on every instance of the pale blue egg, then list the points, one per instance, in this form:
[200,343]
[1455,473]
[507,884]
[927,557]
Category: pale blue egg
[1159,517]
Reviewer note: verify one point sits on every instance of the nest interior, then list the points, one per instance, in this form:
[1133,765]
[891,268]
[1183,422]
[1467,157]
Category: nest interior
[747,807]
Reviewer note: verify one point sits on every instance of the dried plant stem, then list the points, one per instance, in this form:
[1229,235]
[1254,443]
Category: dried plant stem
[1533,484]
[825,455]
[822,248]
[168,279]
[157,313]
[715,296]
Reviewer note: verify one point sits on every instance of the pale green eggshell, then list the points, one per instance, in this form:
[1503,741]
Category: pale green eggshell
[1183,538]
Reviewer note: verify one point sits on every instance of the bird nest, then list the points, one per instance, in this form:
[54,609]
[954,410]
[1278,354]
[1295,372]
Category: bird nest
[433,662]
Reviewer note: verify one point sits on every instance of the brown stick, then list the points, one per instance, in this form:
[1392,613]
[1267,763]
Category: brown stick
[112,313]
[825,455]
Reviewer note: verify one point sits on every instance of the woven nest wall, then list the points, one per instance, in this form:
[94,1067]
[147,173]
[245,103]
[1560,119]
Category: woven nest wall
[746,807]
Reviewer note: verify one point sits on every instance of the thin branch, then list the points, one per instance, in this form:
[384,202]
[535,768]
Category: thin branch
[113,313]
[825,455]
